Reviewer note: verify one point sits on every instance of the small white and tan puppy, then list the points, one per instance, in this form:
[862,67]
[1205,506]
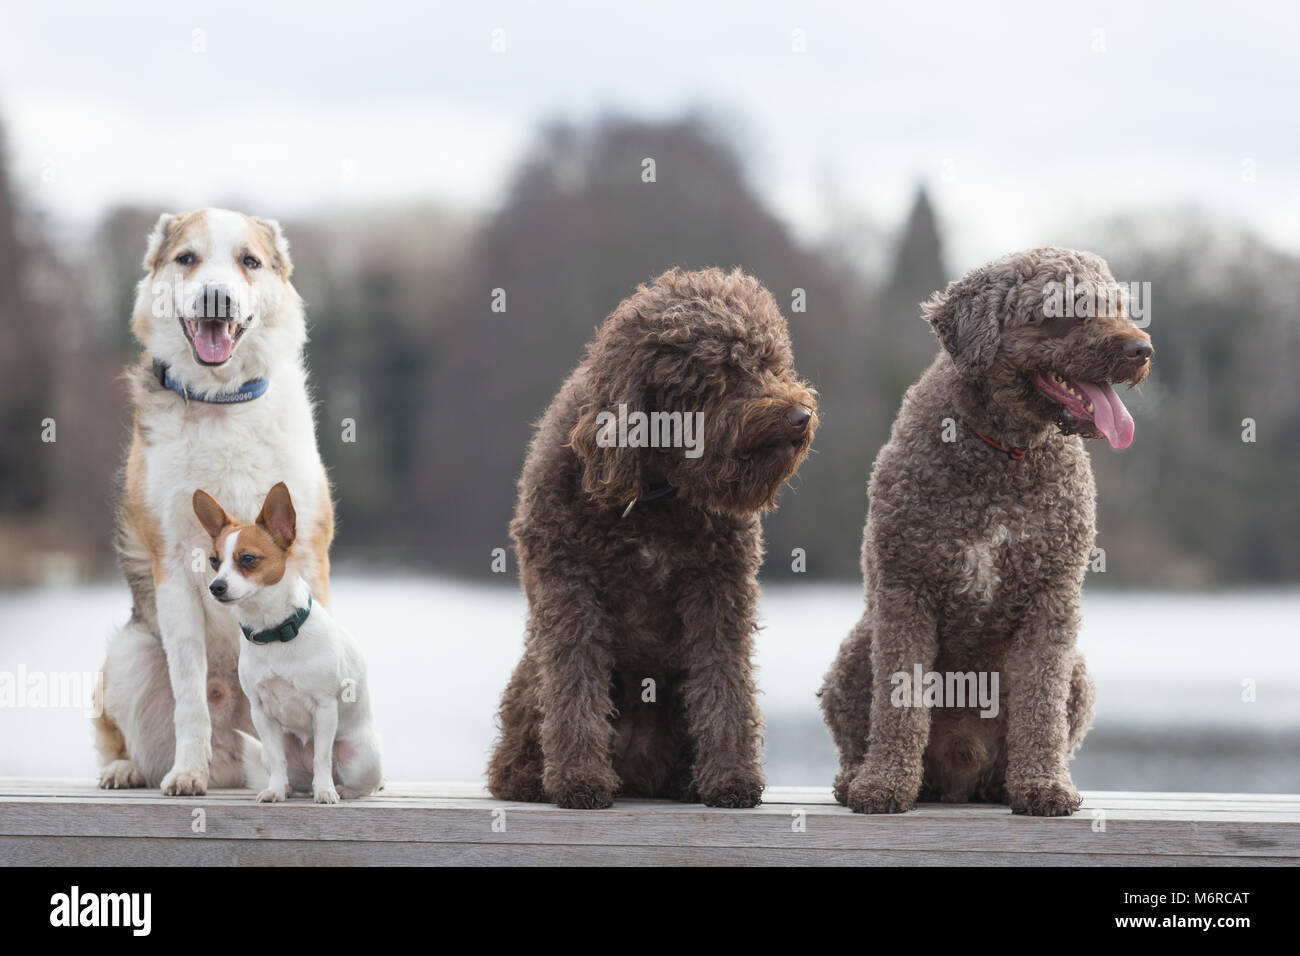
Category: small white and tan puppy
[303,674]
[219,400]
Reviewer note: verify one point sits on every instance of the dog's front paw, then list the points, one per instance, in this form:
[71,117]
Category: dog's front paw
[326,795]
[583,794]
[186,783]
[736,791]
[273,795]
[1044,798]
[121,775]
[868,794]
[840,789]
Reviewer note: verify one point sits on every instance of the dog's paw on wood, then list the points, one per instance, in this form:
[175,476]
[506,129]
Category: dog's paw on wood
[734,792]
[185,783]
[326,795]
[840,789]
[868,795]
[584,795]
[518,786]
[1044,798]
[121,775]
[272,795]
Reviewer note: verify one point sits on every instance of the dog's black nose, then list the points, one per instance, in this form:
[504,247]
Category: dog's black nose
[218,304]
[217,588]
[1139,349]
[797,418]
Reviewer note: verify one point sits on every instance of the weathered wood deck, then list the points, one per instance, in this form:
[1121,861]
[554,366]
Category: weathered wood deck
[52,822]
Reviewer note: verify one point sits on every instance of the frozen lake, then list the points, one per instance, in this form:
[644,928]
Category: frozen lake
[1169,670]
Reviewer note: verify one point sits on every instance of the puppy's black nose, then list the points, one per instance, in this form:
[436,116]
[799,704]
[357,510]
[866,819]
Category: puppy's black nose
[797,418]
[217,588]
[1138,349]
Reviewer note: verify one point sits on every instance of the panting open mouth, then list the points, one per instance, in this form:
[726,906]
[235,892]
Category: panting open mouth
[1092,402]
[213,340]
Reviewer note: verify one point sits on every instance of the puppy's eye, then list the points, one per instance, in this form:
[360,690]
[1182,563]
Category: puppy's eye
[252,262]
[248,560]
[214,561]
[186,259]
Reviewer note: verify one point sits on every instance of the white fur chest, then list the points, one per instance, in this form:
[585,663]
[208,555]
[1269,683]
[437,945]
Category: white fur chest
[233,452]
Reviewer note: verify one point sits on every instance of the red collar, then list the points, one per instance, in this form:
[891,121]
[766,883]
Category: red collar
[1015,452]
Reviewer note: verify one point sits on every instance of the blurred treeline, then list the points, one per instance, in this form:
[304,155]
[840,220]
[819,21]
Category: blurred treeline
[443,390]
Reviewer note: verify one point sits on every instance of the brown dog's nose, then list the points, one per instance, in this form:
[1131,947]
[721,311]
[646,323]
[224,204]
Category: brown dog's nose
[797,418]
[1139,349]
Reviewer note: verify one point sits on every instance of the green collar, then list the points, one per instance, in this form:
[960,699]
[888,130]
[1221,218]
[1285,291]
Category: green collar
[286,631]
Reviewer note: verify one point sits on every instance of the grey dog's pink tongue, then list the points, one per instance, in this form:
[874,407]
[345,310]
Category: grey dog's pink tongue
[1109,414]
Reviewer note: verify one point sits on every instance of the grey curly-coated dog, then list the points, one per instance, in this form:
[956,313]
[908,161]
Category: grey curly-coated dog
[979,530]
[640,563]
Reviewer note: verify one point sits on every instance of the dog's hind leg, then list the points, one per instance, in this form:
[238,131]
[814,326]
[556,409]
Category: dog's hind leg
[1079,709]
[117,769]
[133,727]
[846,704]
[356,764]
[515,771]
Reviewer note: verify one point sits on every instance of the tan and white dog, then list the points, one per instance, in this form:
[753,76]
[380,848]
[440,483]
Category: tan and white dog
[219,401]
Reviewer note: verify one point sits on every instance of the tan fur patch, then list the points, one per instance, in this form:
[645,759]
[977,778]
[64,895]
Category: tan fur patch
[319,537]
[109,742]
[261,242]
[190,227]
[254,540]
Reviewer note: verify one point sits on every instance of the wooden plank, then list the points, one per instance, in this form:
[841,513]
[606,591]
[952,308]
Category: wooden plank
[69,821]
[119,851]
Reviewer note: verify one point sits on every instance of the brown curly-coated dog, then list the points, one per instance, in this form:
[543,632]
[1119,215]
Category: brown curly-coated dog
[979,531]
[640,563]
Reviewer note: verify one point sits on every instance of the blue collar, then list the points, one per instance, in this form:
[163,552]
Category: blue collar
[254,388]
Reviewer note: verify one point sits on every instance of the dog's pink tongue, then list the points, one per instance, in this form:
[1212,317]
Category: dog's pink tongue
[213,341]
[1109,414]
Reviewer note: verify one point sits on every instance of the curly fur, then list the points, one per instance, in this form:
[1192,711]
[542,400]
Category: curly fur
[973,561]
[667,591]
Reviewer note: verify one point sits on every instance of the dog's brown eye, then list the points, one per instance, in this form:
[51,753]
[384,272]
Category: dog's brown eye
[186,258]
[248,560]
[214,561]
[252,262]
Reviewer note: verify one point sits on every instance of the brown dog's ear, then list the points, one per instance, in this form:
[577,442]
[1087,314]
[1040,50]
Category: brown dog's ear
[278,518]
[162,231]
[212,516]
[965,320]
[610,474]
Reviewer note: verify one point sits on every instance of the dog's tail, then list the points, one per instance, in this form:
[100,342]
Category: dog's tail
[250,760]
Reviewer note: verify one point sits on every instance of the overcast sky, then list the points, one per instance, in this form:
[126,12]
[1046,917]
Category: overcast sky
[1018,124]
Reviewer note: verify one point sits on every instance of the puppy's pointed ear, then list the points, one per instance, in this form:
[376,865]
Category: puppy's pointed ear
[278,518]
[162,231]
[275,235]
[610,474]
[211,515]
[965,320]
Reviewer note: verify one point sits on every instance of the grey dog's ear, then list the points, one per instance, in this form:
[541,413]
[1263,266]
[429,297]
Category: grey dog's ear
[162,231]
[964,317]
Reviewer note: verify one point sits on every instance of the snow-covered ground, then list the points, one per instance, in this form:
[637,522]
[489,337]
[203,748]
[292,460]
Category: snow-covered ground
[1169,669]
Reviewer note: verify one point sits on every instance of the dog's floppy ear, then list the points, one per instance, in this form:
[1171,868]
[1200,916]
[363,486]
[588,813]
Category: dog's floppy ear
[964,317]
[610,474]
[211,515]
[162,231]
[278,518]
[275,237]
